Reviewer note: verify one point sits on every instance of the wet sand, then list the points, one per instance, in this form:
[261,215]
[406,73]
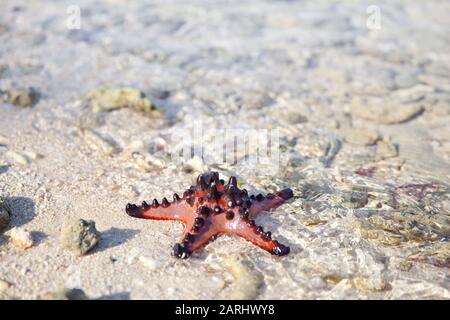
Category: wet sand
[363,119]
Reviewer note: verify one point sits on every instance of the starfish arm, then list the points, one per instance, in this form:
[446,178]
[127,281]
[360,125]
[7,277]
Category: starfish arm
[177,210]
[261,203]
[248,230]
[192,240]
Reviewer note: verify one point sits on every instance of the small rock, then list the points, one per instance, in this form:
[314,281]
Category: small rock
[108,99]
[195,165]
[5,214]
[386,149]
[21,98]
[65,294]
[32,155]
[385,113]
[313,150]
[4,285]
[98,143]
[135,145]
[405,266]
[79,236]
[411,95]
[147,162]
[360,136]
[354,199]
[17,158]
[21,238]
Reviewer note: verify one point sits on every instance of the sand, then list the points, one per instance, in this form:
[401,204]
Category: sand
[357,109]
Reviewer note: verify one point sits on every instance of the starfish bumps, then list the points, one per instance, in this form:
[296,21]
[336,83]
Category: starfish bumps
[212,207]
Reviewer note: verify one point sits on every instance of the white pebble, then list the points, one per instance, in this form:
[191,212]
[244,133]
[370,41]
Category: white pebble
[4,285]
[135,145]
[17,158]
[195,164]
[32,155]
[147,162]
[21,238]
[171,290]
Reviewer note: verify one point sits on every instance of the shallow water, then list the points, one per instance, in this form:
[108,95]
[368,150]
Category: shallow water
[306,70]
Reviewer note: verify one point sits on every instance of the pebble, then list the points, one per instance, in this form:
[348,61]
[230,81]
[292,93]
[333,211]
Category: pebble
[4,285]
[108,99]
[135,145]
[147,162]
[360,136]
[17,158]
[384,112]
[32,155]
[313,150]
[79,236]
[405,266]
[5,214]
[195,165]
[98,143]
[21,98]
[21,238]
[413,94]
[386,149]
[247,280]
[65,294]
[354,199]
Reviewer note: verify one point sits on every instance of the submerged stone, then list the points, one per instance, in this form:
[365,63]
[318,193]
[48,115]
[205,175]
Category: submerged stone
[109,99]
[354,199]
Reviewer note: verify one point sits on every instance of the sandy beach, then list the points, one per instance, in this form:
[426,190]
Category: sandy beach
[92,115]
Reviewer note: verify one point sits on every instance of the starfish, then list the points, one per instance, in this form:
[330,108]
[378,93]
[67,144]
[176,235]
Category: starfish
[212,207]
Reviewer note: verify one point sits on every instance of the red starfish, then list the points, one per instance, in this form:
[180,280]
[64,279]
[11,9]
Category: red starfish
[212,207]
